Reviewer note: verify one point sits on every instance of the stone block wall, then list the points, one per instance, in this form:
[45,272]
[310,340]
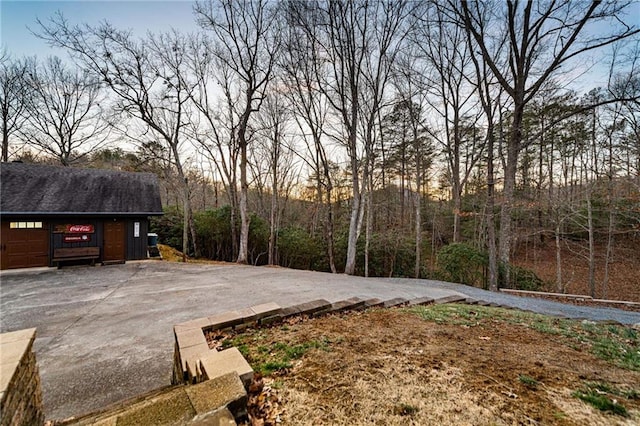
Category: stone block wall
[20,390]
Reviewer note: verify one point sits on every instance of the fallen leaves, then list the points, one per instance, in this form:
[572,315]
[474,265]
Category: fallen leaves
[264,406]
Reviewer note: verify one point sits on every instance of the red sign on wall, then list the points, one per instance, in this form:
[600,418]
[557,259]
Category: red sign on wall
[76,238]
[79,229]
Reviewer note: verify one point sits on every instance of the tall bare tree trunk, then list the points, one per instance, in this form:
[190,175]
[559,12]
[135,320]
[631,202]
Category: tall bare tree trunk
[418,227]
[273,230]
[609,253]
[330,227]
[506,219]
[368,232]
[185,228]
[592,254]
[355,223]
[5,144]
[188,224]
[491,225]
[243,247]
[559,283]
[274,215]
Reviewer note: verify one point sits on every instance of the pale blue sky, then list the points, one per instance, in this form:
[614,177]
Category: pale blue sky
[140,16]
[16,16]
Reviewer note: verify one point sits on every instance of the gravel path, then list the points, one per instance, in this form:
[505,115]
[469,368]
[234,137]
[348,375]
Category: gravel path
[537,305]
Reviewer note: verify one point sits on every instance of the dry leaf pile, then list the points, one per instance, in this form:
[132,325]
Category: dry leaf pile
[265,405]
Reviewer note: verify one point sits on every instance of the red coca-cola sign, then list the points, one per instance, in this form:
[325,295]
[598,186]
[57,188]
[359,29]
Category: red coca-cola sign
[79,229]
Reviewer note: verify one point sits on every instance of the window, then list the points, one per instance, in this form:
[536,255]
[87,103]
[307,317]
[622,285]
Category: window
[25,225]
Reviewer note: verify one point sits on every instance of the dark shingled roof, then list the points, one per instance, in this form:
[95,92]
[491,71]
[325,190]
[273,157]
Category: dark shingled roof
[40,189]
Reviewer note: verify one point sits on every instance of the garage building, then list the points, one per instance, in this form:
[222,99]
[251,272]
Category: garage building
[52,215]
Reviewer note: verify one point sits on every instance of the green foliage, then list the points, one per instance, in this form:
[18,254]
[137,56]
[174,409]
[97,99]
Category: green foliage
[465,264]
[270,359]
[168,227]
[612,349]
[274,357]
[602,387]
[215,237]
[213,231]
[601,401]
[462,263]
[387,256]
[528,381]
[612,343]
[403,409]
[454,314]
[258,240]
[244,350]
[520,278]
[391,254]
[270,367]
[300,250]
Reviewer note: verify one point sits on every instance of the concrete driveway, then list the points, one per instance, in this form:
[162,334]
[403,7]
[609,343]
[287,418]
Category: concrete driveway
[105,333]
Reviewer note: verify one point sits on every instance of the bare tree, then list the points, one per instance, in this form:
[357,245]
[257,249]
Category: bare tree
[146,77]
[444,45]
[388,31]
[622,85]
[246,44]
[215,119]
[273,157]
[302,69]
[359,42]
[542,38]
[64,111]
[417,152]
[14,96]
[490,101]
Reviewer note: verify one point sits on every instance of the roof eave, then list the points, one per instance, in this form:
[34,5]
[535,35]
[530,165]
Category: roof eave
[110,214]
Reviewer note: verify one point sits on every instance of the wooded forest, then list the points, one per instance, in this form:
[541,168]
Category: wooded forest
[438,139]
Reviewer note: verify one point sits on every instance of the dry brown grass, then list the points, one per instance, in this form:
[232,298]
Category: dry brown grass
[169,253]
[391,367]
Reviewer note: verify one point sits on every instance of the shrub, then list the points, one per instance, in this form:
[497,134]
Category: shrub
[391,254]
[168,227]
[258,240]
[297,249]
[462,263]
[521,279]
[213,231]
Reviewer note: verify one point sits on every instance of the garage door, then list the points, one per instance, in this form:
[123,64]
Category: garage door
[24,244]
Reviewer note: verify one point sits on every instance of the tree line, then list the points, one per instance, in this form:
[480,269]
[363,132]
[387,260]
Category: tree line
[430,121]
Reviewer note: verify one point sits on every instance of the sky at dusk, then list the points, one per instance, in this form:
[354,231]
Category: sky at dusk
[18,16]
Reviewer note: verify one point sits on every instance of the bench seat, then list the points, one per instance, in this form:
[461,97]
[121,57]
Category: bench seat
[76,253]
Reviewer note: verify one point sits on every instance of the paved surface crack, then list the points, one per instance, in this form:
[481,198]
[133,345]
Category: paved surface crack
[60,335]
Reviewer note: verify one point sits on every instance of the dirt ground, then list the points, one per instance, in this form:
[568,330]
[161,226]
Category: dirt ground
[624,274]
[392,367]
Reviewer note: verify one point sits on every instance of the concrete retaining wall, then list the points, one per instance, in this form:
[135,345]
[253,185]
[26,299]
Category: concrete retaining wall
[20,390]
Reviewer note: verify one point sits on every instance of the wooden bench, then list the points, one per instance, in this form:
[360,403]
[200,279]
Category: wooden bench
[76,253]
